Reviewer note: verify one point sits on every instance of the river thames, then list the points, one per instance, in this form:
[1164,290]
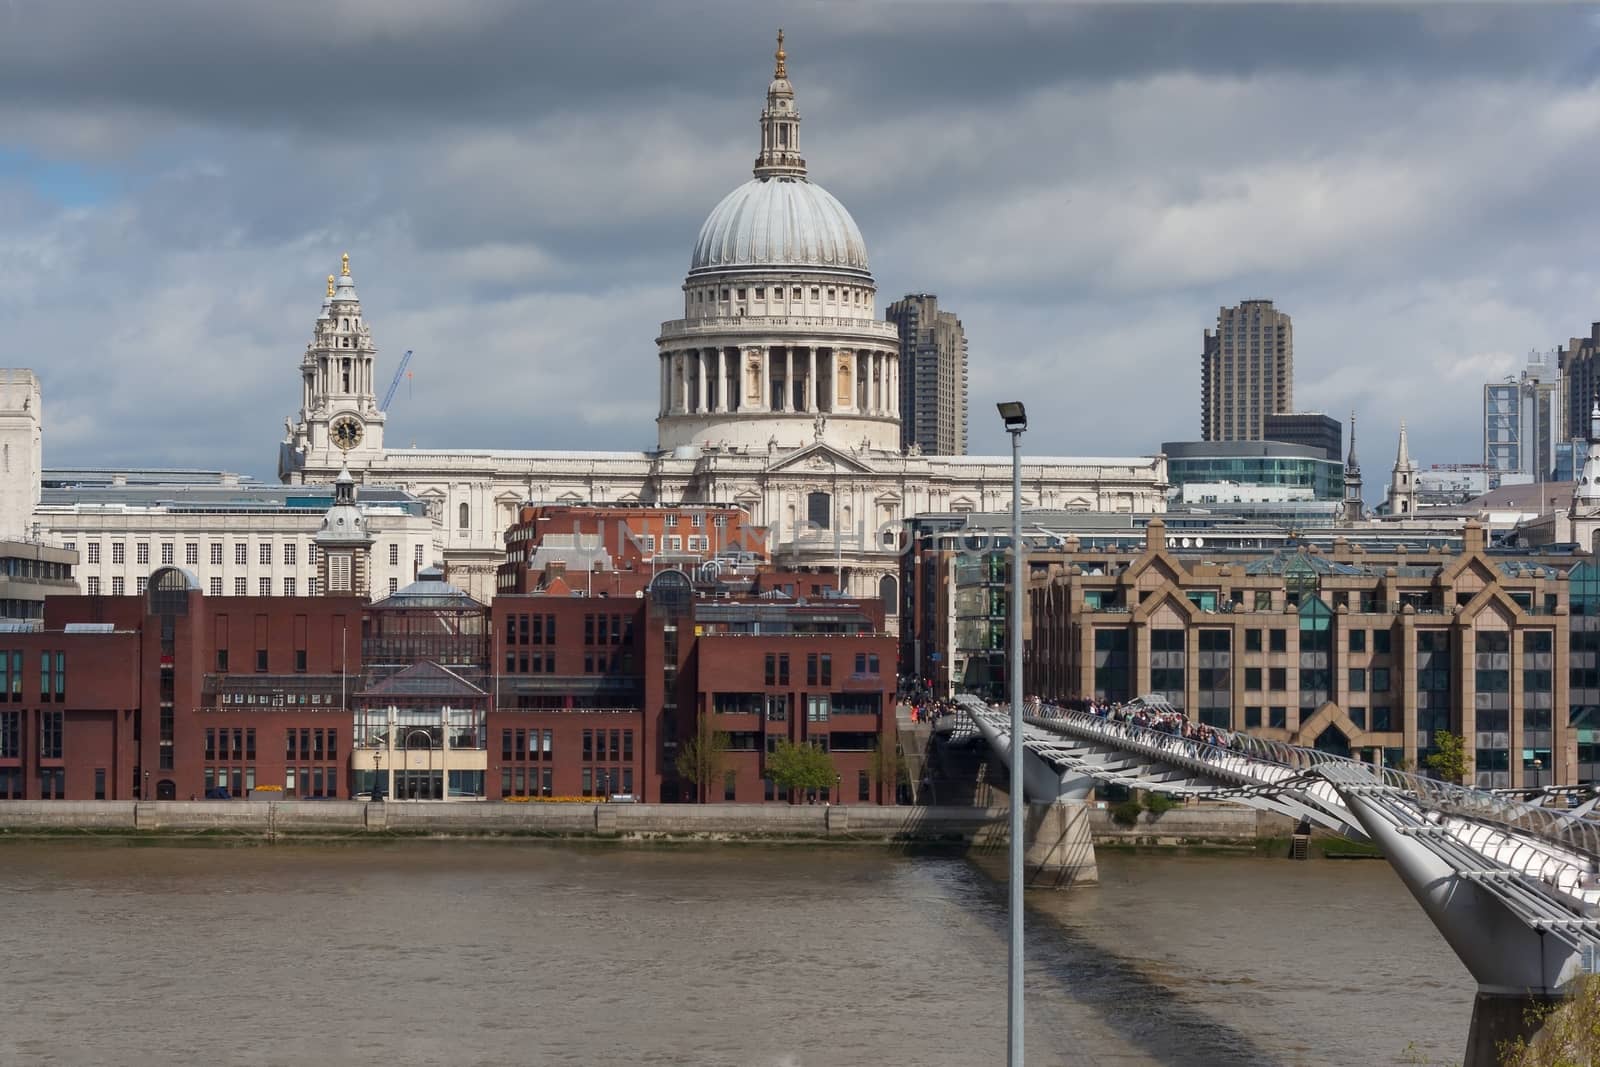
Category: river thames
[491,953]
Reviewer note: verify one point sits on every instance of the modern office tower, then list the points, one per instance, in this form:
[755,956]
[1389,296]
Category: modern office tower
[1522,419]
[1246,372]
[933,381]
[1310,428]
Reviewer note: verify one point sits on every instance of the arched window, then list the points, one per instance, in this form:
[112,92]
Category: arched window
[465,519]
[889,593]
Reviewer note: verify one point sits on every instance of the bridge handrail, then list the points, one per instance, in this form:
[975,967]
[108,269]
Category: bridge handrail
[1574,832]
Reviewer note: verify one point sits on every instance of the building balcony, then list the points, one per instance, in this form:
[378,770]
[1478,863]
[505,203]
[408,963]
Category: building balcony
[871,330]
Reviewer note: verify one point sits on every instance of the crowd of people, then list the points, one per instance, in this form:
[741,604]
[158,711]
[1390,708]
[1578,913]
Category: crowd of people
[1168,721]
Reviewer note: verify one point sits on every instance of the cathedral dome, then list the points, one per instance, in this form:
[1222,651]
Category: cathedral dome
[782,224]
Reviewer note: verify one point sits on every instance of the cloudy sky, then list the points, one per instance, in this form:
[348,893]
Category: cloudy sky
[519,186]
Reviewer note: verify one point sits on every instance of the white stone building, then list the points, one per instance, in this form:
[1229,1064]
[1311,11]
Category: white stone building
[21,451]
[779,393]
[237,537]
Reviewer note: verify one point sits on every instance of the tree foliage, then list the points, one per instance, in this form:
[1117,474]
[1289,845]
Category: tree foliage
[701,759]
[1568,1036]
[801,767]
[1450,761]
[889,767]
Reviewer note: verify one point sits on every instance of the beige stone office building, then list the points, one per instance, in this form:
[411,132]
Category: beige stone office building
[1355,652]
[1246,371]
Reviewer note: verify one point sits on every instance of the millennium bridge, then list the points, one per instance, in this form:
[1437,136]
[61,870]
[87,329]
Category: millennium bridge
[1512,885]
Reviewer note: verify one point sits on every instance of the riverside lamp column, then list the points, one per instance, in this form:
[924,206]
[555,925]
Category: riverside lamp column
[1016,419]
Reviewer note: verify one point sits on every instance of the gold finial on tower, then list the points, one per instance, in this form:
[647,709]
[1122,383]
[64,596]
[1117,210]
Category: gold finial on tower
[345,259]
[780,71]
[330,285]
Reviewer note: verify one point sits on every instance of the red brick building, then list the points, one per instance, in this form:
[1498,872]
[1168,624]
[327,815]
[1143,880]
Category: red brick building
[637,673]
[616,549]
[172,694]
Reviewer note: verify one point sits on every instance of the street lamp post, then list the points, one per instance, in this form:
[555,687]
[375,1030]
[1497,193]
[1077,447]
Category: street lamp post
[1015,417]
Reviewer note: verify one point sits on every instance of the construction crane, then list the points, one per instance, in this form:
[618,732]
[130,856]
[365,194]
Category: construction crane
[399,372]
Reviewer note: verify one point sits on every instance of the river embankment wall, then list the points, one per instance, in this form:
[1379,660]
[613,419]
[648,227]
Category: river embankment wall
[1203,825]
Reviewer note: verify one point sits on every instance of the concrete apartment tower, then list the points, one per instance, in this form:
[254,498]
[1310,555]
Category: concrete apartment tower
[933,375]
[21,451]
[1246,371]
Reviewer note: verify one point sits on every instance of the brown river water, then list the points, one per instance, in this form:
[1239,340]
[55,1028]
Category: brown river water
[461,953]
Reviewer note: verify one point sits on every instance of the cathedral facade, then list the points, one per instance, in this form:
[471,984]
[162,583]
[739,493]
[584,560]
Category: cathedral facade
[779,394]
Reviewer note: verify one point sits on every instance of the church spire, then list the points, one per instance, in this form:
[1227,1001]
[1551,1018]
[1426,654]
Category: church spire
[1353,506]
[1586,492]
[780,126]
[1402,496]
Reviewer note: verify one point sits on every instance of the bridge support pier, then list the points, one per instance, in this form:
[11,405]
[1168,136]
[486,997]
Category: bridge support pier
[1498,1018]
[1060,850]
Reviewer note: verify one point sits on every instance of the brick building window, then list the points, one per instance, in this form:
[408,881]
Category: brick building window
[50,724]
[215,587]
[117,587]
[10,735]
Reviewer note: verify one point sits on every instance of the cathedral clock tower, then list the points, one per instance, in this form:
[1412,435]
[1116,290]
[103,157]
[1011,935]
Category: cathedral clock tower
[339,417]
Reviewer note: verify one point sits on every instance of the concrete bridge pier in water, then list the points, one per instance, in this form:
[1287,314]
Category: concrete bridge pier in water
[1060,848]
[1506,944]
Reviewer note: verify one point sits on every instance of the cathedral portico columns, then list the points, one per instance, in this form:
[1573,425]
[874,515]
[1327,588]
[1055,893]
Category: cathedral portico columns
[722,380]
[811,382]
[700,380]
[788,380]
[764,402]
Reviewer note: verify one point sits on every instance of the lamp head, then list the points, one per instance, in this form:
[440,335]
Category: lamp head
[1014,415]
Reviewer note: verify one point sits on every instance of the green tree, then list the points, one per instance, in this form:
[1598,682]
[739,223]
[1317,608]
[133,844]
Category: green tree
[888,767]
[1450,760]
[1567,1034]
[702,757]
[800,767]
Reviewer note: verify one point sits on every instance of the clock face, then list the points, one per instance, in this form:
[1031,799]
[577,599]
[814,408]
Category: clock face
[346,433]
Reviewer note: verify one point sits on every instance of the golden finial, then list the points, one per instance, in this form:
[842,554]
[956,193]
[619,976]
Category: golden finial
[346,260]
[330,285]
[780,71]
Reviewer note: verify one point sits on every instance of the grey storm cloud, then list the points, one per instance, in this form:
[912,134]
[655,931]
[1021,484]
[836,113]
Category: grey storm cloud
[519,186]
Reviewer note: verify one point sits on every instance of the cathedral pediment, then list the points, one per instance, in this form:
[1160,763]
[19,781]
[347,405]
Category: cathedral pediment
[818,458]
